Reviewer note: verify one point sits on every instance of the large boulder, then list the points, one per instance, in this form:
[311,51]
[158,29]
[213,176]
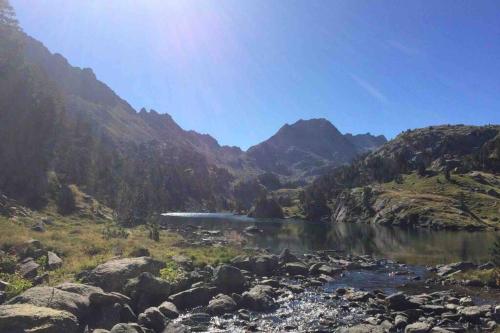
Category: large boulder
[20,318]
[265,265]
[192,297]
[84,290]
[221,304]
[147,290]
[266,208]
[362,328]
[296,268]
[114,274]
[127,328]
[259,298]
[400,302]
[169,310]
[229,278]
[153,319]
[53,261]
[55,299]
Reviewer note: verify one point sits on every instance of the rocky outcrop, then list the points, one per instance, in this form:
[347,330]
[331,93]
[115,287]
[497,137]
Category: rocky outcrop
[114,274]
[19,318]
[266,208]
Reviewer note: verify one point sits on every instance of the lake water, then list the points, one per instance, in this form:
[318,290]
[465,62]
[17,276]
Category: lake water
[413,246]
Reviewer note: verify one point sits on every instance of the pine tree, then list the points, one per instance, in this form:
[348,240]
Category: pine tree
[8,15]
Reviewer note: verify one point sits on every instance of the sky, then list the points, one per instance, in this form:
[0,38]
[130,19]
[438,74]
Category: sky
[240,69]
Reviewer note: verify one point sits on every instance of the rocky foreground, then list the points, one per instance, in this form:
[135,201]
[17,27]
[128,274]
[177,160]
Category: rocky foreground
[264,292]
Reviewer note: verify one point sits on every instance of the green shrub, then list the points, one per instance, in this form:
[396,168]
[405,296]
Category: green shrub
[172,272]
[114,232]
[16,286]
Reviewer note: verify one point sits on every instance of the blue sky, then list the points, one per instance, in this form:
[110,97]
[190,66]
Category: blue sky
[240,69]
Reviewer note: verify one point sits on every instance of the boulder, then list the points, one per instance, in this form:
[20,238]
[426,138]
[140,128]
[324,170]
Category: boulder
[169,310]
[28,268]
[286,256]
[221,304]
[243,262]
[259,298]
[38,227]
[358,296]
[53,261]
[114,274]
[176,328]
[153,319]
[296,268]
[19,318]
[192,297]
[473,313]
[127,328]
[362,328]
[266,208]
[265,265]
[78,288]
[229,279]
[55,299]
[418,327]
[400,302]
[147,290]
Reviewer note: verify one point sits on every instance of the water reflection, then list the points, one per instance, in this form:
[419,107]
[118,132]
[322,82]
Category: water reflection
[408,245]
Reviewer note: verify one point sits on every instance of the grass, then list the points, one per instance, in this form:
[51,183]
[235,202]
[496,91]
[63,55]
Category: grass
[83,243]
[487,276]
[445,200]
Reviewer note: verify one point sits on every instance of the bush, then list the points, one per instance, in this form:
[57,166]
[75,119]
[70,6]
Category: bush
[171,272]
[114,232]
[16,286]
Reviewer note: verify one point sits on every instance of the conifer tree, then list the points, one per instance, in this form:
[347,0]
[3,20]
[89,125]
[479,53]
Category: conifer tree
[8,15]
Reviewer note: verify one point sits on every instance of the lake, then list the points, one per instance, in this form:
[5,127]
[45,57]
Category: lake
[412,246]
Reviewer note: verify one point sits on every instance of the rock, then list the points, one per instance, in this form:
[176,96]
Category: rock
[100,330]
[328,270]
[169,310]
[265,265]
[28,268]
[147,290]
[259,298]
[362,328]
[102,298]
[127,328]
[418,327]
[221,304]
[296,268]
[358,296]
[55,299]
[229,279]
[243,262]
[140,252]
[286,256]
[19,318]
[38,227]
[114,274]
[488,265]
[176,328]
[466,301]
[266,208]
[3,285]
[400,302]
[473,313]
[446,270]
[53,261]
[153,319]
[400,321]
[192,297]
[252,230]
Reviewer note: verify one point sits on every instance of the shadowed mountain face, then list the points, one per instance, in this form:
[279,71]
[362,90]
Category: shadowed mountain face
[308,147]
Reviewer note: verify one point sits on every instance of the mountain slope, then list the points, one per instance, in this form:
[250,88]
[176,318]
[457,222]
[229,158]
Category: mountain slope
[439,177]
[308,147]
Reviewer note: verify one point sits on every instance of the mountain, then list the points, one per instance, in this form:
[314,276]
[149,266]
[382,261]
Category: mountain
[438,177]
[308,147]
[60,125]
